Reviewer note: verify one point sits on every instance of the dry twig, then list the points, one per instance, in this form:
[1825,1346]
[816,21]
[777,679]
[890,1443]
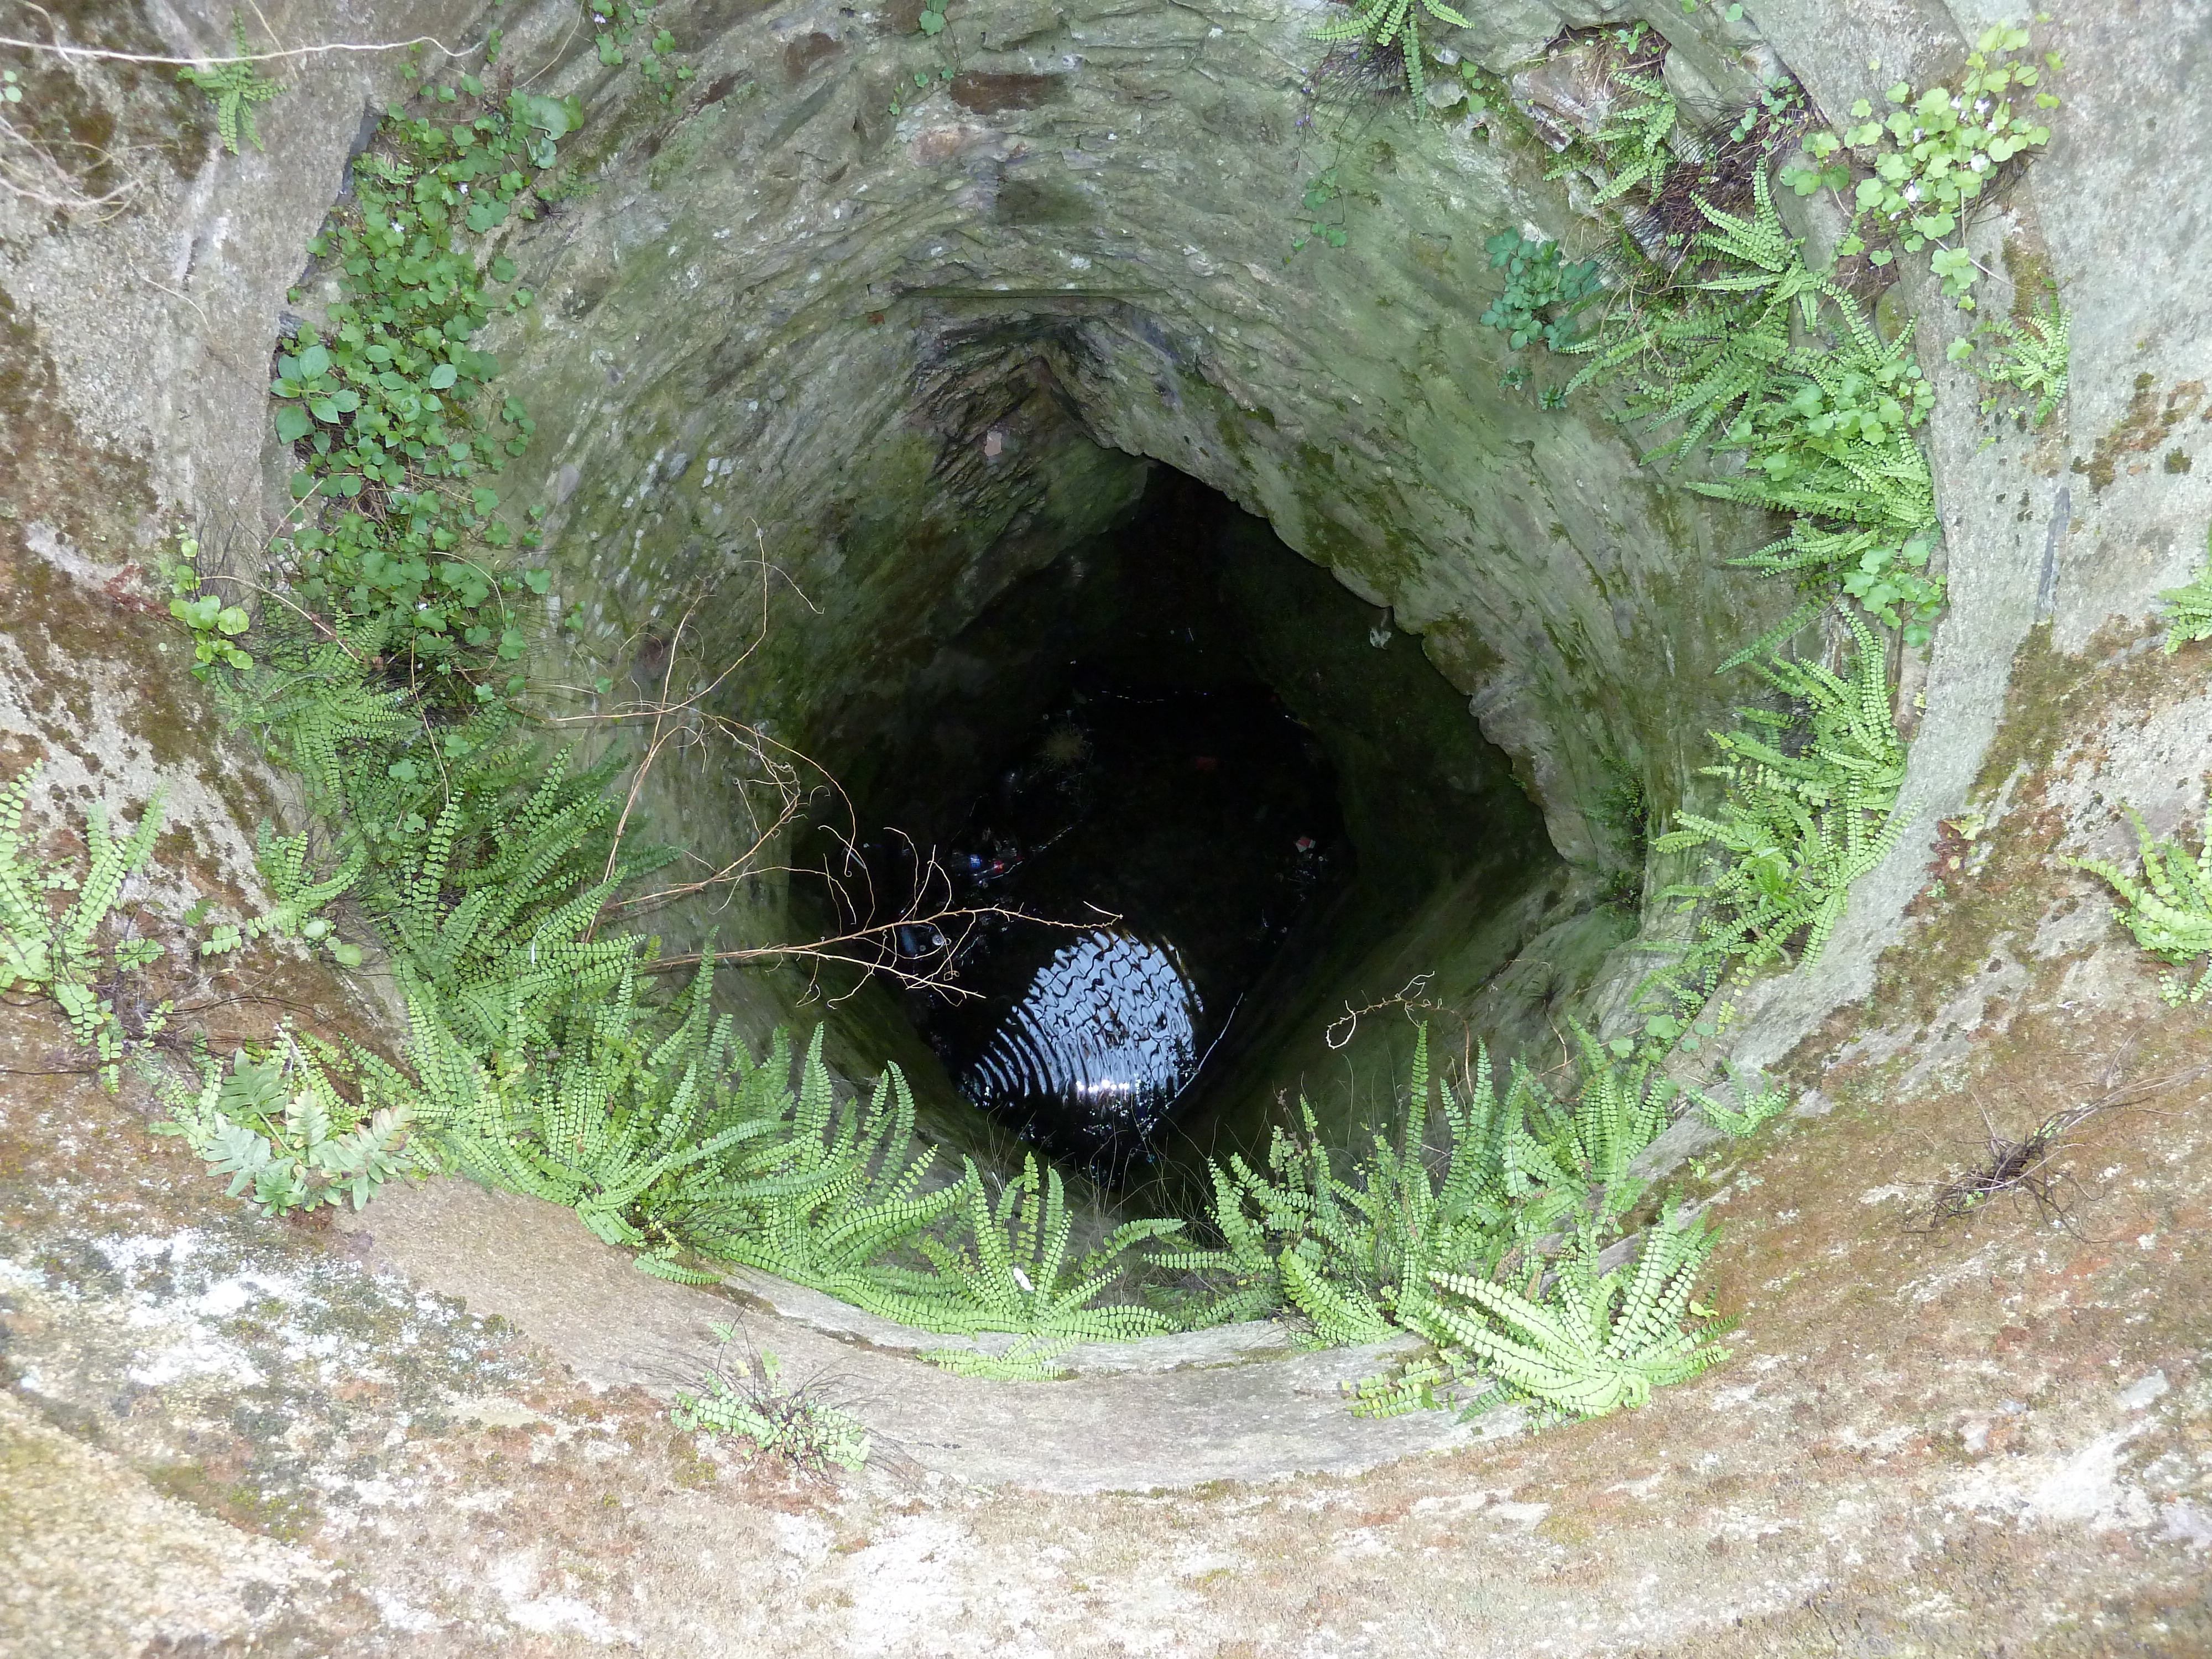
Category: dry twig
[2029,1166]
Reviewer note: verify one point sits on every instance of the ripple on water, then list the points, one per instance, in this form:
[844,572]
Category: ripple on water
[1109,1025]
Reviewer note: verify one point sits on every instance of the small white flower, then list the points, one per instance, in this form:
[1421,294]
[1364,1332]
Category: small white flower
[1912,192]
[1981,164]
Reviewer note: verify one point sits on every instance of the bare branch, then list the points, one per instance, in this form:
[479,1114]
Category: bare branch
[919,947]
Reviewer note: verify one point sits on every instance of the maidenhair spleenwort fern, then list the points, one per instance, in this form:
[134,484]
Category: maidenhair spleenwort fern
[1393,1244]
[1774,362]
[2167,905]
[236,85]
[830,1203]
[1031,1359]
[537,1059]
[615,1112]
[1635,139]
[1595,1342]
[652,1122]
[1012,1269]
[2031,358]
[1812,805]
[1388,23]
[749,1402]
[2189,607]
[1757,1100]
[1343,1250]
[57,953]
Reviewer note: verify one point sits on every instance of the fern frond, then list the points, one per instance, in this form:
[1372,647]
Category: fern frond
[26,924]
[1341,1316]
[1756,1102]
[2188,608]
[1011,1271]
[1029,1360]
[2033,359]
[1634,141]
[236,85]
[795,1425]
[1382,23]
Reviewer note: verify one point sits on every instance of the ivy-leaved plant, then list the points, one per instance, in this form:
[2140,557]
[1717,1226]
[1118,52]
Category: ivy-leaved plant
[284,1134]
[1543,292]
[1931,153]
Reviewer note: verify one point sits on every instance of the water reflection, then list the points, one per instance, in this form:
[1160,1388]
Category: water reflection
[1110,1024]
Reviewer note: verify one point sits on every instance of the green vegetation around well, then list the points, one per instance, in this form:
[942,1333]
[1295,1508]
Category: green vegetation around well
[381,653]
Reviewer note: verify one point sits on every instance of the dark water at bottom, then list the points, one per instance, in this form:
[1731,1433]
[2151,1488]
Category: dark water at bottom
[1181,822]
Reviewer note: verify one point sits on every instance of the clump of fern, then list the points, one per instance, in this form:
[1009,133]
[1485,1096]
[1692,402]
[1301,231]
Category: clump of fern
[832,1200]
[2031,359]
[1470,1187]
[2166,905]
[1342,1246]
[540,1058]
[1811,805]
[235,85]
[58,953]
[1386,24]
[749,1401]
[1594,1340]
[1636,140]
[1769,359]
[1011,1267]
